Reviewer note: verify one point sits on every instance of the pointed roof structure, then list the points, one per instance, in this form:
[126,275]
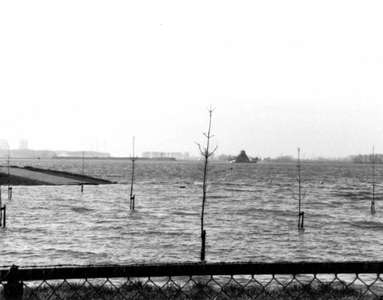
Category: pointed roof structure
[242,157]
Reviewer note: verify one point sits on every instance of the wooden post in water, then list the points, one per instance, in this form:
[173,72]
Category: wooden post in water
[132,197]
[82,178]
[4,210]
[373,182]
[206,154]
[300,213]
[1,209]
[9,176]
[3,215]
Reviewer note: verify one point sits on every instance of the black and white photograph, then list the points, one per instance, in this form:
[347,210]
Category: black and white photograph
[191,149]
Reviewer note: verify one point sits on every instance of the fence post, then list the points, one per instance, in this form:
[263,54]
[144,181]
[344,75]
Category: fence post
[13,289]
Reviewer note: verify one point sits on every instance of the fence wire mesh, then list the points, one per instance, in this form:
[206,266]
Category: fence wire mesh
[226,281]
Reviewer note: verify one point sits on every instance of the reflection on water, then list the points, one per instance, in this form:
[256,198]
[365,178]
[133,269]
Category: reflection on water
[251,214]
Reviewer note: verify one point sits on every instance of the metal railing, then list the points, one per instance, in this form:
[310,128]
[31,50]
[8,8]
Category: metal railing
[303,280]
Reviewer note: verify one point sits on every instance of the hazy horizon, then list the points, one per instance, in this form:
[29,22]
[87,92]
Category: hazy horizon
[90,75]
[184,155]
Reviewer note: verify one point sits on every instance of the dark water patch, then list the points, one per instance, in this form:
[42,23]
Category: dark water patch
[85,254]
[183,182]
[217,196]
[348,186]
[81,209]
[353,195]
[238,184]
[150,182]
[331,203]
[370,225]
[231,183]
[35,230]
[242,190]
[185,213]
[280,196]
[268,211]
[285,190]
[177,233]
[319,215]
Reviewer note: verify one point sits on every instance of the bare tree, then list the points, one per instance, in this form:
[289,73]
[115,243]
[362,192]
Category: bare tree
[206,154]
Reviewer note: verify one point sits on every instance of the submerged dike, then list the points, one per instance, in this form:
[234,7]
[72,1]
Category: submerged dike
[38,176]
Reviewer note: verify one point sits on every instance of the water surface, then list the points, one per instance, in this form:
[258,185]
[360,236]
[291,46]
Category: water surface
[251,214]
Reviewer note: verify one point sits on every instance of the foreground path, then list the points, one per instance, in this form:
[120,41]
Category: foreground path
[34,176]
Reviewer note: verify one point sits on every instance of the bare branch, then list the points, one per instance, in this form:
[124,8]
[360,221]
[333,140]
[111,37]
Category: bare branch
[211,153]
[210,110]
[201,149]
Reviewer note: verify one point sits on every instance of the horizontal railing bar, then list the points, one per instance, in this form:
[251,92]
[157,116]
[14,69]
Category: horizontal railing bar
[190,269]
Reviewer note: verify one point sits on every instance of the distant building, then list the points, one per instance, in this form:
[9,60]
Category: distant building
[156,154]
[66,153]
[23,144]
[242,157]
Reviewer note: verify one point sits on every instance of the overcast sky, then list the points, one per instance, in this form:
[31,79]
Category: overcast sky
[90,75]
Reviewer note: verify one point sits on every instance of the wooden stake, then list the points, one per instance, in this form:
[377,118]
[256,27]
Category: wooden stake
[132,197]
[5,215]
[1,208]
[82,178]
[300,213]
[9,176]
[373,211]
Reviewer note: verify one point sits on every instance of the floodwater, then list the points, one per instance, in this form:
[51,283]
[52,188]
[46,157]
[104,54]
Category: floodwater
[251,214]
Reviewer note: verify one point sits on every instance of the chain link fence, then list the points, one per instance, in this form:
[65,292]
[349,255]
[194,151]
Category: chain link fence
[305,280]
